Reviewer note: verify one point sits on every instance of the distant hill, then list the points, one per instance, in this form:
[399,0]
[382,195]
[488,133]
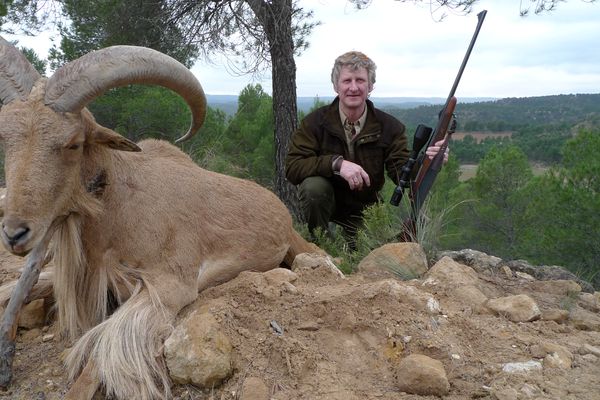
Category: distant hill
[473,114]
[509,113]
[228,103]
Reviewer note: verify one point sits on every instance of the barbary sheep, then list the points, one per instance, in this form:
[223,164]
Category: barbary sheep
[136,225]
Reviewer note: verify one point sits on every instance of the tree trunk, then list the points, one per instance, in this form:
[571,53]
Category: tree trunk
[276,19]
[285,111]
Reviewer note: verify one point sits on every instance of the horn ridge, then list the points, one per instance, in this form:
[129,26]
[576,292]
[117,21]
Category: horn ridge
[17,75]
[78,82]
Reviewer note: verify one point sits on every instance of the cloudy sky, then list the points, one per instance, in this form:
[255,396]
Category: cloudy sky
[551,53]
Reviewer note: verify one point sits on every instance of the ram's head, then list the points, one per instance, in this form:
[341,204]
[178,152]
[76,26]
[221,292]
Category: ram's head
[48,134]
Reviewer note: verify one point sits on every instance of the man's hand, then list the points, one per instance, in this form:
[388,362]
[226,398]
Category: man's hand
[433,150]
[355,175]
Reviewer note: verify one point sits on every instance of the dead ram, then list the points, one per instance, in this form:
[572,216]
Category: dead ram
[139,224]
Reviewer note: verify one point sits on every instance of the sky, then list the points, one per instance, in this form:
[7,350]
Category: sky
[552,53]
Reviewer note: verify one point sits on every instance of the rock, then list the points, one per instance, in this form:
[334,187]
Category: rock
[473,258]
[589,349]
[198,352]
[590,301]
[310,261]
[559,287]
[519,308]
[524,276]
[506,271]
[32,315]
[470,296]
[402,291]
[449,273]
[556,315]
[526,366]
[254,389]
[530,391]
[554,355]
[585,320]
[31,335]
[419,374]
[402,260]
[48,337]
[506,394]
[280,276]
[548,273]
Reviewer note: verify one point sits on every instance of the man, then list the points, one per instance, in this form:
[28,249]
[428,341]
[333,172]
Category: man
[338,154]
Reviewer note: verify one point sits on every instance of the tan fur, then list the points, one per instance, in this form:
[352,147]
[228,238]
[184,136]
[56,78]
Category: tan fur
[159,231]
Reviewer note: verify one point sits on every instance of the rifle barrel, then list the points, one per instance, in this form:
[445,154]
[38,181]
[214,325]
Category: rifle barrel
[480,18]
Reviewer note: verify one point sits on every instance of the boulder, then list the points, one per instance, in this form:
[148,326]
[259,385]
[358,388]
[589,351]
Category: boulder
[402,260]
[422,375]
[198,352]
[519,308]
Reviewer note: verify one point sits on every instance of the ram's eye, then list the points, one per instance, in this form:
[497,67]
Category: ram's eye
[74,146]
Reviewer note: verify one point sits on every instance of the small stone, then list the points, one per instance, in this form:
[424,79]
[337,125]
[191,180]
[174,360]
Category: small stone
[48,337]
[589,349]
[506,271]
[556,315]
[527,366]
[525,276]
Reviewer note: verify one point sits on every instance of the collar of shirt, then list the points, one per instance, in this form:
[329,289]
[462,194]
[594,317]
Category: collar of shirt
[357,124]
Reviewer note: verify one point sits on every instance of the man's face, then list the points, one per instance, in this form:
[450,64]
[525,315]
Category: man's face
[353,88]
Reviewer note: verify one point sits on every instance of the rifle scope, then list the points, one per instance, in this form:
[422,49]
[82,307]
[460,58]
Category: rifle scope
[422,134]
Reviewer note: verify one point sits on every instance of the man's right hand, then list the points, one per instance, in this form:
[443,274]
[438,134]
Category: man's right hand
[355,175]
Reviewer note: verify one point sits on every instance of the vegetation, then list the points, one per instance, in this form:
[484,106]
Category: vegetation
[539,126]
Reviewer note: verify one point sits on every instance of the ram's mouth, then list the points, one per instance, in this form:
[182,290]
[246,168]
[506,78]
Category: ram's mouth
[20,239]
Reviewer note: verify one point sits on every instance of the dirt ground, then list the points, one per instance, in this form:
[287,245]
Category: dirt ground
[325,337]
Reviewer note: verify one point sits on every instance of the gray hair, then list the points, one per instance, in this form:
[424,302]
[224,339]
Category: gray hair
[354,60]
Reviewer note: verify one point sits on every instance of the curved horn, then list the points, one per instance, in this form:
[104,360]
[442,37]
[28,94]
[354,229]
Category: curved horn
[77,83]
[17,75]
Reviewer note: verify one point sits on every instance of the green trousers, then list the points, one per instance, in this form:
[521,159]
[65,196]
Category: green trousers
[321,204]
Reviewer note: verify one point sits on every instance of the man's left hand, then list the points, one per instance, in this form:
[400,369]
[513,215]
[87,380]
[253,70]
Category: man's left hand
[433,150]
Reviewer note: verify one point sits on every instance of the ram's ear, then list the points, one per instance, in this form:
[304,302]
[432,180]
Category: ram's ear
[107,137]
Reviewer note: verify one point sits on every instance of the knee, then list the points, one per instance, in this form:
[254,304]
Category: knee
[315,189]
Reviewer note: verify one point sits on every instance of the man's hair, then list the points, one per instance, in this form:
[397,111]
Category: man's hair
[354,60]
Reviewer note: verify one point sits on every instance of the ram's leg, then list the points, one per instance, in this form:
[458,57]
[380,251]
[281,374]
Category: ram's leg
[127,348]
[215,272]
[86,384]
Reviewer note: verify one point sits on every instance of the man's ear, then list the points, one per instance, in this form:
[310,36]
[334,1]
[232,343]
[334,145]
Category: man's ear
[107,137]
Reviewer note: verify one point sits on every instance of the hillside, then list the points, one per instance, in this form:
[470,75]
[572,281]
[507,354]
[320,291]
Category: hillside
[510,113]
[471,327]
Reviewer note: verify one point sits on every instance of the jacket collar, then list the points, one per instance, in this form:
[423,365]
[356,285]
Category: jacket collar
[333,123]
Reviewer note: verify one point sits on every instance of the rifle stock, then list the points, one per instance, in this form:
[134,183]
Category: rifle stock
[439,133]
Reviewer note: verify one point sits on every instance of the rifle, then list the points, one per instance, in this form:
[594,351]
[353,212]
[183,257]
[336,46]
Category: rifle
[424,137]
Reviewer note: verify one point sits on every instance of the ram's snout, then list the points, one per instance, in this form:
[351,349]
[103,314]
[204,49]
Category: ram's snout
[16,235]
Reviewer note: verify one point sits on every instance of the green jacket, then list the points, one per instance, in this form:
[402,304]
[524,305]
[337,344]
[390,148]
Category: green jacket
[382,142]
